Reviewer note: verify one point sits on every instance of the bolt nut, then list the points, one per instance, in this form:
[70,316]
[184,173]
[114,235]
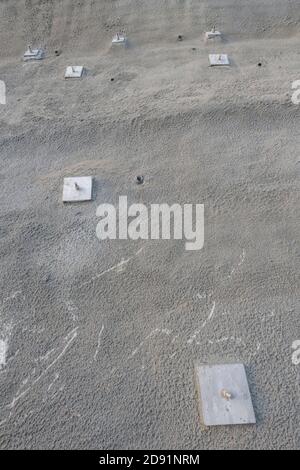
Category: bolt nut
[225,394]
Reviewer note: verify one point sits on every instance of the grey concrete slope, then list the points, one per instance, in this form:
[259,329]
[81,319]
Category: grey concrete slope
[98,339]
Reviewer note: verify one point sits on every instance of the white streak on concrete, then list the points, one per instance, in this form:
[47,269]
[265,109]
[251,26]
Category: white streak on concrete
[194,336]
[241,261]
[54,380]
[45,356]
[119,267]
[226,339]
[69,339]
[98,345]
[5,419]
[72,309]
[151,335]
[255,353]
[3,352]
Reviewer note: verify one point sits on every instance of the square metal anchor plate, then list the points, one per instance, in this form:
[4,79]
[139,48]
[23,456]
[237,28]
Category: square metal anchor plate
[34,54]
[224,395]
[119,38]
[212,34]
[77,189]
[218,59]
[74,71]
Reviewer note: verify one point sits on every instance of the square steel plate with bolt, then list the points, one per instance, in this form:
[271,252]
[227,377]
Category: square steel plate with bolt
[218,59]
[224,395]
[212,34]
[74,71]
[77,189]
[34,54]
[119,38]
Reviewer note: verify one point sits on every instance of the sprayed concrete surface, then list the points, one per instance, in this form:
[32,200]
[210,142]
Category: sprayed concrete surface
[98,339]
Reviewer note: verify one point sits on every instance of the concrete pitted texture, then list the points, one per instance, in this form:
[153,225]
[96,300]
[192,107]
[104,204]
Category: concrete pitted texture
[98,339]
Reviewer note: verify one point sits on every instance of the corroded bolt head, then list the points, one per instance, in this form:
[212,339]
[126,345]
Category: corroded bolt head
[225,394]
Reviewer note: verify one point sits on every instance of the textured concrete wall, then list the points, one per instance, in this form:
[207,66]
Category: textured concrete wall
[98,340]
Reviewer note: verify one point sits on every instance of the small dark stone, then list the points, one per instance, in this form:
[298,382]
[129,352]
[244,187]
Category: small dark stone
[193,48]
[112,79]
[180,38]
[259,64]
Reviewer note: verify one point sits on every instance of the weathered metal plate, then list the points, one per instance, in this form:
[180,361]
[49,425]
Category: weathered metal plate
[34,54]
[77,189]
[212,34]
[74,71]
[119,38]
[215,410]
[218,59]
